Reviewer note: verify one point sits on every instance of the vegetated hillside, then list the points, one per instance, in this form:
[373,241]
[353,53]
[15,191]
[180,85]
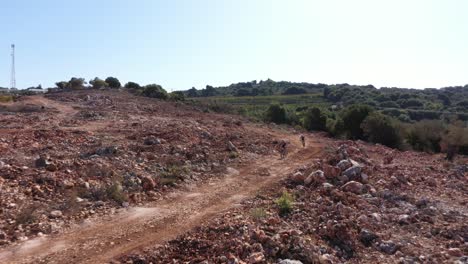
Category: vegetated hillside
[75,155]
[358,203]
[433,120]
[449,99]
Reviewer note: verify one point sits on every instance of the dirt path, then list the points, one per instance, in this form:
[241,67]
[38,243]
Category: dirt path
[138,227]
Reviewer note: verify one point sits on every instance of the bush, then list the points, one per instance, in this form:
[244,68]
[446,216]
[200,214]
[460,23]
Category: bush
[76,83]
[98,83]
[177,96]
[27,214]
[315,119]
[115,192]
[6,98]
[352,117]
[132,85]
[173,174]
[382,129]
[294,90]
[154,91]
[285,203]
[276,114]
[425,135]
[335,127]
[113,82]
[455,137]
[61,85]
[258,214]
[389,104]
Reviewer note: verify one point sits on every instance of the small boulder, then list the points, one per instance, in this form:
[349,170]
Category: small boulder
[232,147]
[344,164]
[56,214]
[42,161]
[367,237]
[331,171]
[316,177]
[404,219]
[353,186]
[298,177]
[289,261]
[256,257]
[353,172]
[455,252]
[388,247]
[148,183]
[51,167]
[152,141]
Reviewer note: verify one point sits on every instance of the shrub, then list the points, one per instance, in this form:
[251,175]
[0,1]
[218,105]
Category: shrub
[27,214]
[76,83]
[389,104]
[132,85]
[294,90]
[315,119]
[285,203]
[379,128]
[154,91]
[115,192]
[62,85]
[455,137]
[113,82]
[6,98]
[177,96]
[425,135]
[98,83]
[352,117]
[276,114]
[258,213]
[173,174]
[335,127]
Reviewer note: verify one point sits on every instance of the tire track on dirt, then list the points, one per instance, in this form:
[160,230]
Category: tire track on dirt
[161,221]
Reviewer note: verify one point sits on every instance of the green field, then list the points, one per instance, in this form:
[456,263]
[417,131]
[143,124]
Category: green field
[255,106]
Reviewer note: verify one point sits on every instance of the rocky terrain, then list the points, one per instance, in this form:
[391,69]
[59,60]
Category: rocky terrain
[77,155]
[359,203]
[105,176]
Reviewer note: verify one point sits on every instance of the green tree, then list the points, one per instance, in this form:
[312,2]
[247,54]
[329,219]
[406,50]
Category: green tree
[209,91]
[76,83]
[132,85]
[97,83]
[193,92]
[352,117]
[315,119]
[382,129]
[113,82]
[276,114]
[154,91]
[62,84]
[177,96]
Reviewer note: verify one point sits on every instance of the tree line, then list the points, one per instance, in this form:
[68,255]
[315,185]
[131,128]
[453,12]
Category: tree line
[150,90]
[364,122]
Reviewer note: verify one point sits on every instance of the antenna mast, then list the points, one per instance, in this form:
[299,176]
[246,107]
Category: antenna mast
[13,73]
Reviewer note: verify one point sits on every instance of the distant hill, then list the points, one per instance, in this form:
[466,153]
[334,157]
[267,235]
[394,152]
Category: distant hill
[447,99]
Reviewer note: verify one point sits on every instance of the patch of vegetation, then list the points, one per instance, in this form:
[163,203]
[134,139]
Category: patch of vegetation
[258,213]
[171,175]
[27,214]
[285,203]
[6,98]
[115,192]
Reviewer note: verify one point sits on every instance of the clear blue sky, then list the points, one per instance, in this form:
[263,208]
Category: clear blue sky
[180,44]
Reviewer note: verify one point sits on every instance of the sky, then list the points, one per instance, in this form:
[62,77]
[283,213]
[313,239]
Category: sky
[181,44]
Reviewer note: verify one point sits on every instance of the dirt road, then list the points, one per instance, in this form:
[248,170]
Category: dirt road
[137,227]
[156,223]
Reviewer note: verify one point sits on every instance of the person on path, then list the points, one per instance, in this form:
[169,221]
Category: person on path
[283,149]
[302,138]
